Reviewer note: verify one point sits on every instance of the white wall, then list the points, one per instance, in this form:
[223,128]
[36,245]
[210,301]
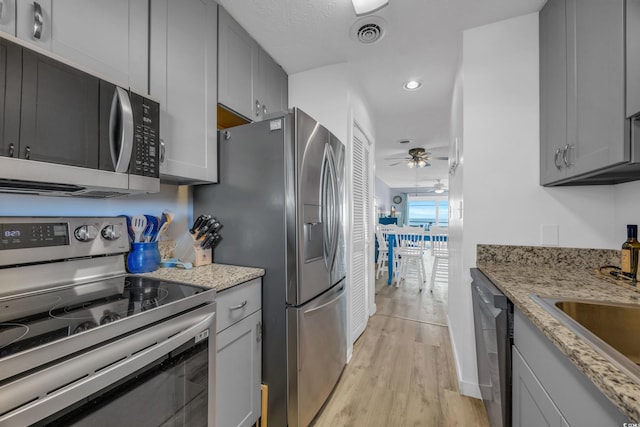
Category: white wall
[174,198]
[503,202]
[323,94]
[382,196]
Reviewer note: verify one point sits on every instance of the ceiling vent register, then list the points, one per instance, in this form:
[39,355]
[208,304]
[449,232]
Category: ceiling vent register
[368,30]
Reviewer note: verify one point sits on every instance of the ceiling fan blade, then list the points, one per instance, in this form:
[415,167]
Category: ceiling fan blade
[396,163]
[438,158]
[398,158]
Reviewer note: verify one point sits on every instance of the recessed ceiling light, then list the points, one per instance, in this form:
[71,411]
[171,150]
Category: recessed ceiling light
[412,85]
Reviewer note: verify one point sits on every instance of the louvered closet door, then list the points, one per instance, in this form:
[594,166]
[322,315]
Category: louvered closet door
[361,266]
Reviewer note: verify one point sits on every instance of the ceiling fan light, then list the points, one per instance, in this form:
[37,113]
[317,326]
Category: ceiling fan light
[362,7]
[439,190]
[421,163]
[411,164]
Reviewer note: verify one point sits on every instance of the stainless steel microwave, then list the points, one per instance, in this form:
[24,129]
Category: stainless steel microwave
[65,132]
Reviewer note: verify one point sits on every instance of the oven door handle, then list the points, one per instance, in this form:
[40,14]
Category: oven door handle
[44,393]
[121,130]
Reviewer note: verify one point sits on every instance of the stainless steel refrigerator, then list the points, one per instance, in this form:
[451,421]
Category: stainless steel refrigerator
[281,200]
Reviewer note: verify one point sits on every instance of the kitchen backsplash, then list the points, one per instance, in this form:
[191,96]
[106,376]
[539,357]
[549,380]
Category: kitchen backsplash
[177,199]
[547,256]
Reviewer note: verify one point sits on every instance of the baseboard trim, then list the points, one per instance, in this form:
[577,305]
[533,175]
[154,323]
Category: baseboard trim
[466,388]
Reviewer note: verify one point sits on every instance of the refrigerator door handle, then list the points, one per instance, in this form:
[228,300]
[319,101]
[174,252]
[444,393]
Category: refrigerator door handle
[333,207]
[324,215]
[329,219]
[328,303]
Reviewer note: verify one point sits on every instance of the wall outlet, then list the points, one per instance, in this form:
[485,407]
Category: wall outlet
[549,235]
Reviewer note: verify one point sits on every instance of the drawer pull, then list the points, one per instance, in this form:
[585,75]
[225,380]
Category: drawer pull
[239,306]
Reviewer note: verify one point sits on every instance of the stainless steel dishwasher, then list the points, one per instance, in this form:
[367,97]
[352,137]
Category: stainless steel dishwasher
[493,324]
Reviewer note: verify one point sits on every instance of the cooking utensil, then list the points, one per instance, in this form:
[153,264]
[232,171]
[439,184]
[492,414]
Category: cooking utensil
[166,217]
[160,232]
[152,228]
[138,225]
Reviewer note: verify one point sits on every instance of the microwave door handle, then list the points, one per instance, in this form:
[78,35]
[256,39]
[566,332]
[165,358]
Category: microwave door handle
[121,130]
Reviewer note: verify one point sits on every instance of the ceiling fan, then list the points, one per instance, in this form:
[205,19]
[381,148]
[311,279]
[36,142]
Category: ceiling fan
[418,157]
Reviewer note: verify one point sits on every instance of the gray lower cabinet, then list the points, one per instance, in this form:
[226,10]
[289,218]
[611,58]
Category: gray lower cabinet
[548,390]
[531,406]
[583,126]
[110,38]
[239,356]
[250,82]
[183,70]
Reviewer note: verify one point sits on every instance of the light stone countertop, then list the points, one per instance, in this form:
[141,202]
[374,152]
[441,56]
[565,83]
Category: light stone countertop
[216,276]
[520,271]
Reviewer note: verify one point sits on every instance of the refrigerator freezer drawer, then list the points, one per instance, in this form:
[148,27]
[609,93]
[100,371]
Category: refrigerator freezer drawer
[317,348]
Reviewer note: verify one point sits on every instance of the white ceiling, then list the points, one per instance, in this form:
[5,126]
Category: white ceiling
[422,40]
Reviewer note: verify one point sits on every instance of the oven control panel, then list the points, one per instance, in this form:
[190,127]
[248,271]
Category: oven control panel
[33,239]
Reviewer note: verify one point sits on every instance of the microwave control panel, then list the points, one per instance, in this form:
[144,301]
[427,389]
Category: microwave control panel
[145,158]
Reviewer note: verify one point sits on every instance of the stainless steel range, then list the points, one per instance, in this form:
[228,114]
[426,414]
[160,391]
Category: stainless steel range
[83,343]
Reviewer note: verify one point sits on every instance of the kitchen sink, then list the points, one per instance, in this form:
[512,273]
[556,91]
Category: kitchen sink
[612,329]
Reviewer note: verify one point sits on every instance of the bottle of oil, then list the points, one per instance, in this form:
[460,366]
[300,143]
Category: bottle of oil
[630,249]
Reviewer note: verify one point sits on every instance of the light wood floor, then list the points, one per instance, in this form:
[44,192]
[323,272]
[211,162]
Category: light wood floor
[402,371]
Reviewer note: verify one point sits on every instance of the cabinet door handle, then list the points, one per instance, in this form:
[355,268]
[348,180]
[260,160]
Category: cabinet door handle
[565,155]
[556,159]
[257,108]
[27,152]
[239,306]
[12,150]
[259,332]
[37,20]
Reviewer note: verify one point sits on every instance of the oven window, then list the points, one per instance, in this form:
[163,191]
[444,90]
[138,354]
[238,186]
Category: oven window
[173,392]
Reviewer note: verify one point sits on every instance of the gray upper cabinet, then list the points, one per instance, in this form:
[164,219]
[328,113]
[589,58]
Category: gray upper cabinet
[8,17]
[183,73]
[109,38]
[583,126]
[250,82]
[272,92]
[237,66]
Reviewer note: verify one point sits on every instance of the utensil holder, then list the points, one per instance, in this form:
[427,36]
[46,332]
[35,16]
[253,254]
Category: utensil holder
[143,257]
[188,250]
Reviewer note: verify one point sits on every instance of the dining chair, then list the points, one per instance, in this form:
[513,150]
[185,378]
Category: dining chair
[439,239]
[383,251]
[411,248]
[385,231]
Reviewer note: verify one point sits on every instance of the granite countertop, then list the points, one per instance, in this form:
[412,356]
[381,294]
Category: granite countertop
[216,276]
[520,271]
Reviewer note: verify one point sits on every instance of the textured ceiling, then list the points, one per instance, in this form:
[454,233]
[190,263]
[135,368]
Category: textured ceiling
[423,40]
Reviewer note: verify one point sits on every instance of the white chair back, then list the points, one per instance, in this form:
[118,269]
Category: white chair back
[439,237]
[382,239]
[411,238]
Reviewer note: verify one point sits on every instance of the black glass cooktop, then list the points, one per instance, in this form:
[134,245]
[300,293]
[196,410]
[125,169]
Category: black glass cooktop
[32,320]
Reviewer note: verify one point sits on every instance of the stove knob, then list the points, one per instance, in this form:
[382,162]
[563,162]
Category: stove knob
[110,232]
[109,317]
[84,327]
[86,233]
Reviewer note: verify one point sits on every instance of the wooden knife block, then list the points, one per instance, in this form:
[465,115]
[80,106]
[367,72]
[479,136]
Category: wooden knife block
[188,250]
